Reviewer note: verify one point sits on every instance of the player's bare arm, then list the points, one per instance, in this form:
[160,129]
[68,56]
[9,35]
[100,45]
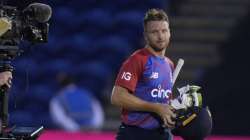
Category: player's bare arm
[122,98]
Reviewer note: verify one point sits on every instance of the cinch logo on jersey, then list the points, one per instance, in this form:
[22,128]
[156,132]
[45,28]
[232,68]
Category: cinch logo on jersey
[160,93]
[126,76]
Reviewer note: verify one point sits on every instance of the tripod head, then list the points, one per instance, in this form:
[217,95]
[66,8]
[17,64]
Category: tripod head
[7,54]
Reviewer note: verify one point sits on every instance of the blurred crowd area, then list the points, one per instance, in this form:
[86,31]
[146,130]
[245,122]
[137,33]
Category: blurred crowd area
[89,40]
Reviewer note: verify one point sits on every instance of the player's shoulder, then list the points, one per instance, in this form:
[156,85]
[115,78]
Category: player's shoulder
[139,55]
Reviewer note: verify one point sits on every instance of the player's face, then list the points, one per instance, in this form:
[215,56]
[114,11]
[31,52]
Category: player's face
[157,34]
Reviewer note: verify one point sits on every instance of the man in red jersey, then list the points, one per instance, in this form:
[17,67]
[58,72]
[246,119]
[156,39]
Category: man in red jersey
[143,87]
[144,84]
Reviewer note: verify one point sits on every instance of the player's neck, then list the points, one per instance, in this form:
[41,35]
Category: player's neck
[156,53]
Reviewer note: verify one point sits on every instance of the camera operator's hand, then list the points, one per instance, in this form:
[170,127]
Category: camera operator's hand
[5,78]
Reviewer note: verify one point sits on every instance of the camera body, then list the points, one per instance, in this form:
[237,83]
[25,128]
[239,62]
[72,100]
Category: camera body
[30,24]
[24,26]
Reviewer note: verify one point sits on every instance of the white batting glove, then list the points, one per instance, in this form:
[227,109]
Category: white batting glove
[188,97]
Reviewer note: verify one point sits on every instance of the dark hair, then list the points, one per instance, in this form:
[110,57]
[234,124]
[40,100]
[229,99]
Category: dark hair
[155,15]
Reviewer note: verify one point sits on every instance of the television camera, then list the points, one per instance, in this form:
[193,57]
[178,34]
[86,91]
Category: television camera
[30,24]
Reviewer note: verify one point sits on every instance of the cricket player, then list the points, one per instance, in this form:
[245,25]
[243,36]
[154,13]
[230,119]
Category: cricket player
[143,87]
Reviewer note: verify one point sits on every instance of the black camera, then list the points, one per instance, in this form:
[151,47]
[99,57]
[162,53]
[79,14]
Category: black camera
[30,24]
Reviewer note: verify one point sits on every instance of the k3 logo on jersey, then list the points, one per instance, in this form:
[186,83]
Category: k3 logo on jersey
[126,76]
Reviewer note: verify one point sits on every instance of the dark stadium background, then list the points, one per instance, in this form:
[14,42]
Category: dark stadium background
[90,39]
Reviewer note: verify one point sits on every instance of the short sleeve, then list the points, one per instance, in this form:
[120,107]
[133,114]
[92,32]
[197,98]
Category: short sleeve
[130,73]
